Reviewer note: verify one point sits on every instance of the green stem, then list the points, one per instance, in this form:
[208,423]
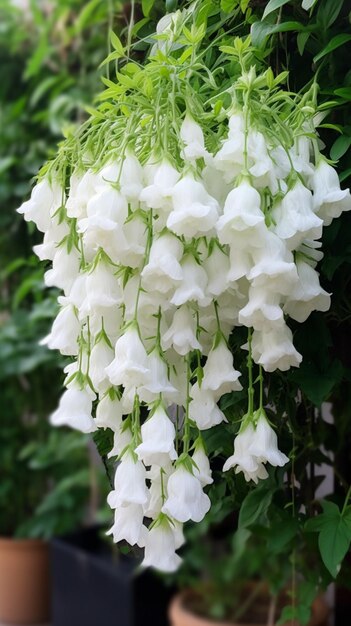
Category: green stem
[346,500]
[186,434]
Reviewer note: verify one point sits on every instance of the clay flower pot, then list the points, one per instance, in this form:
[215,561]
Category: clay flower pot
[180,615]
[24,581]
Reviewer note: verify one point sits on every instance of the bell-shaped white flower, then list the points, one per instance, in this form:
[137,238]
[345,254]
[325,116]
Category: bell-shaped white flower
[230,158]
[193,284]
[131,178]
[160,547]
[135,234]
[163,272]
[128,525]
[101,357]
[262,309]
[65,332]
[294,218]
[181,333]
[242,212]
[203,409]
[217,266]
[185,500]
[65,269]
[158,477]
[220,377]
[109,413]
[52,239]
[102,288]
[158,195]
[307,295]
[274,265]
[202,469]
[193,139]
[157,435]
[195,212]
[157,382]
[74,410]
[122,438]
[273,349]
[264,444]
[82,188]
[242,459]
[328,199]
[45,199]
[130,366]
[129,485]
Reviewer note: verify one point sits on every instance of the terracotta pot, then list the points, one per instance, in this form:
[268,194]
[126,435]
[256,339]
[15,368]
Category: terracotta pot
[180,615]
[24,581]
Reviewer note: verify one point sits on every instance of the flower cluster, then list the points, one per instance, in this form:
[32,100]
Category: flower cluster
[160,254]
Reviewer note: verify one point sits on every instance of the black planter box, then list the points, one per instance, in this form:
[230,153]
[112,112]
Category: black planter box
[90,588]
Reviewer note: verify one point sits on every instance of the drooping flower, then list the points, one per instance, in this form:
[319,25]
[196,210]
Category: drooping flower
[75,410]
[157,434]
[185,500]
[160,547]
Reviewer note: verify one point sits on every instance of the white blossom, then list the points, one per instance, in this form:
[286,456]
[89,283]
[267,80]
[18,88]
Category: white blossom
[185,500]
[74,410]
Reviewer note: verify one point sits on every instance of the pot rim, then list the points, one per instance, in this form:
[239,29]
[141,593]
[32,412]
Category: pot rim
[19,543]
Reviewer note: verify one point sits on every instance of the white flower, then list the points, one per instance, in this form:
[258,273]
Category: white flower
[328,199]
[203,409]
[220,376]
[100,358]
[160,547]
[274,265]
[65,332]
[264,443]
[102,288]
[109,413]
[157,381]
[74,410]
[130,486]
[217,266]
[158,195]
[242,212]
[185,500]
[193,284]
[128,525]
[122,438]
[163,271]
[65,269]
[195,212]
[242,459]
[82,188]
[262,309]
[294,217]
[129,366]
[52,239]
[230,158]
[193,138]
[307,295]
[45,199]
[273,349]
[202,471]
[131,179]
[157,435]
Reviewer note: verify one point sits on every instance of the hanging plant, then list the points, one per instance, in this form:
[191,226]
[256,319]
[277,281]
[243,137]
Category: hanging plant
[188,207]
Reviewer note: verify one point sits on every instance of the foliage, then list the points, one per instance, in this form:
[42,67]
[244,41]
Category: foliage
[49,54]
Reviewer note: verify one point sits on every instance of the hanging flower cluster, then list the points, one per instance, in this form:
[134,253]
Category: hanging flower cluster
[167,228]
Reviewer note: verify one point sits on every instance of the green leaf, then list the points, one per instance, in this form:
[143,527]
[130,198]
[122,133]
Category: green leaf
[255,504]
[261,30]
[334,527]
[334,43]
[116,42]
[340,147]
[228,5]
[302,39]
[273,5]
[343,92]
[146,6]
[328,12]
